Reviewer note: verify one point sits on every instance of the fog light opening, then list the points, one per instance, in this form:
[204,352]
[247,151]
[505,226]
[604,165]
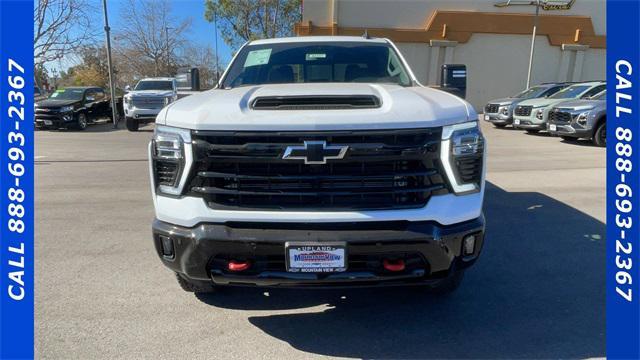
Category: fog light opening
[235,265]
[469,245]
[166,243]
[393,265]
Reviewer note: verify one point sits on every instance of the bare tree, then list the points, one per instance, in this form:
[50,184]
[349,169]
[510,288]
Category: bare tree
[150,34]
[204,59]
[244,20]
[60,27]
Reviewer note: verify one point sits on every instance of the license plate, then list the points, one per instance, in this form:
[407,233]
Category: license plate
[48,122]
[316,257]
[552,127]
[486,117]
[516,122]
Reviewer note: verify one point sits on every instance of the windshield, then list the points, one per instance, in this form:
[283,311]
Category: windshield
[571,92]
[600,96]
[530,93]
[316,62]
[67,94]
[154,85]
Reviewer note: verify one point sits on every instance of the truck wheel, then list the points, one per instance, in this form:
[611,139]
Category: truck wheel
[600,136]
[200,287]
[448,285]
[532,131]
[132,124]
[82,121]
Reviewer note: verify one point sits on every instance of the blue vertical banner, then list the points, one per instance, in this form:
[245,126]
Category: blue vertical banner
[623,180]
[16,179]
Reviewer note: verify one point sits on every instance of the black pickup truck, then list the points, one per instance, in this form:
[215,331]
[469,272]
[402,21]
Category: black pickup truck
[74,107]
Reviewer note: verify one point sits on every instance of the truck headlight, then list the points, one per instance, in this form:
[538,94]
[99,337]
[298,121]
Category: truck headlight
[169,99]
[170,155]
[66,109]
[504,110]
[540,114]
[462,155]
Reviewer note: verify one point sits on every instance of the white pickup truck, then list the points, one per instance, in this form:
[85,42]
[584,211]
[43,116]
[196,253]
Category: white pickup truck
[318,161]
[148,97]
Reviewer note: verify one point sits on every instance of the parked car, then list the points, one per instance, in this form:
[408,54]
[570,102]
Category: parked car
[532,115]
[318,161]
[72,107]
[581,119]
[148,97]
[499,112]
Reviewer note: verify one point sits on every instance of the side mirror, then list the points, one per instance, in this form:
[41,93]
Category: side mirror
[127,88]
[453,79]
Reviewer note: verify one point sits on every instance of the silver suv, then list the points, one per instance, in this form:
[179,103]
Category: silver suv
[581,119]
[499,112]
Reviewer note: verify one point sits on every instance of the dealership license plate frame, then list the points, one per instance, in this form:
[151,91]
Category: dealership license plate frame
[335,247]
[553,127]
[516,122]
[48,122]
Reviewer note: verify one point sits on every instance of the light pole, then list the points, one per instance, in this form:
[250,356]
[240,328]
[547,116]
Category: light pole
[112,85]
[215,25]
[533,42]
[537,4]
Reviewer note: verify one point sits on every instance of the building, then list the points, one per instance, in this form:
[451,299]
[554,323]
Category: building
[492,37]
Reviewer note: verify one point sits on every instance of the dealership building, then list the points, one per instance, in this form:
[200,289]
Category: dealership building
[491,37]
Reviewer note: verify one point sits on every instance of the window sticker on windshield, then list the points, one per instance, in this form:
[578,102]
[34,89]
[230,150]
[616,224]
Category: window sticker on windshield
[257,57]
[311,57]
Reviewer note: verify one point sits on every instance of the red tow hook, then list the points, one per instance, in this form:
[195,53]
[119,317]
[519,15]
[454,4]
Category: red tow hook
[393,265]
[234,265]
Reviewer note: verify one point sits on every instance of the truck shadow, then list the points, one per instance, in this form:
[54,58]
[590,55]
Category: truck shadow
[538,291]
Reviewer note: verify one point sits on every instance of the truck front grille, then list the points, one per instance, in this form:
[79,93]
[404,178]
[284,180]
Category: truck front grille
[523,110]
[559,117]
[148,102]
[391,169]
[491,108]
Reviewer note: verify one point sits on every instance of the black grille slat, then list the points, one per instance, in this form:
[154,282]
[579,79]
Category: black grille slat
[491,108]
[523,110]
[470,169]
[389,169]
[316,102]
[560,117]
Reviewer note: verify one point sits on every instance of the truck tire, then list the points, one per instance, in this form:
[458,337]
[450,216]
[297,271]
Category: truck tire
[600,136]
[82,121]
[448,285]
[200,287]
[132,124]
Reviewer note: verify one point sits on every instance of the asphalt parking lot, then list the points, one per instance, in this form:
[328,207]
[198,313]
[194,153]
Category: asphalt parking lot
[537,291]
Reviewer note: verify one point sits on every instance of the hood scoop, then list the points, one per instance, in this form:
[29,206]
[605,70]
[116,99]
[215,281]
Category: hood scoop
[316,102]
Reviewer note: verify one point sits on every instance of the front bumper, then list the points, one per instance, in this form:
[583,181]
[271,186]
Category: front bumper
[565,129]
[432,251]
[142,114]
[499,119]
[55,120]
[528,123]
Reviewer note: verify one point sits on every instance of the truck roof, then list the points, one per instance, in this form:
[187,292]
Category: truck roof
[298,39]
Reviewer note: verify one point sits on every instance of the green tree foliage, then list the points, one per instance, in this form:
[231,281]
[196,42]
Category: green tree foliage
[243,20]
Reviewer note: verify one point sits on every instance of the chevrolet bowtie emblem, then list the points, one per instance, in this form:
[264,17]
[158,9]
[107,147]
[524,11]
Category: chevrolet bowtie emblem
[315,152]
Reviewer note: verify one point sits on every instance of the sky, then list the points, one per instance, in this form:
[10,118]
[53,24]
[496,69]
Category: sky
[202,32]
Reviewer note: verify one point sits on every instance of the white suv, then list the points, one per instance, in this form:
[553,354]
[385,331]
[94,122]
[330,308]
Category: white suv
[318,161]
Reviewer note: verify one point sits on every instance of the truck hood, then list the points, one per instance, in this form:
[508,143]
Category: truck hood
[52,103]
[582,104]
[150,93]
[401,107]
